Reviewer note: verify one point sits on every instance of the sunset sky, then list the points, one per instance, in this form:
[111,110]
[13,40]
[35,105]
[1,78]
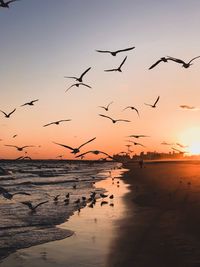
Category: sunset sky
[43,41]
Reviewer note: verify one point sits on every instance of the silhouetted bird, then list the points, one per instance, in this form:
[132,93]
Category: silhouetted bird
[186,107]
[114,53]
[106,108]
[137,144]
[55,122]
[138,136]
[103,195]
[31,103]
[19,148]
[75,150]
[77,85]
[30,205]
[8,195]
[163,59]
[15,135]
[80,79]
[133,108]
[167,144]
[6,4]
[154,105]
[180,145]
[55,198]
[111,196]
[104,203]
[114,121]
[95,152]
[180,61]
[7,115]
[119,68]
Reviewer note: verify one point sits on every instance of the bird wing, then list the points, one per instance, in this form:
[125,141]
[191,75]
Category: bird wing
[28,204]
[156,101]
[85,85]
[123,62]
[12,112]
[48,124]
[103,51]
[126,107]
[193,59]
[40,204]
[123,120]
[12,146]
[33,101]
[176,149]
[72,77]
[26,146]
[63,145]
[24,104]
[110,70]
[11,1]
[177,60]
[63,120]
[106,116]
[109,104]
[155,64]
[126,49]
[84,73]
[70,87]
[87,142]
[136,111]
[79,156]
[148,104]
[4,113]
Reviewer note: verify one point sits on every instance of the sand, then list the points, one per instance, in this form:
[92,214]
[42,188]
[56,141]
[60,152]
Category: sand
[162,223]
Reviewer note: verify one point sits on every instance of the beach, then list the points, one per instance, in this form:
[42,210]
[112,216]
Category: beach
[161,227]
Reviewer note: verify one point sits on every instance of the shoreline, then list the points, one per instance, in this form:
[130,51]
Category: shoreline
[161,228]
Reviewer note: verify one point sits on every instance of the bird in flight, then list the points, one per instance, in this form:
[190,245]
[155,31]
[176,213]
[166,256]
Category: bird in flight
[77,149]
[14,136]
[180,145]
[114,121]
[31,103]
[187,107]
[95,152]
[19,148]
[7,115]
[114,53]
[135,143]
[162,59]
[179,150]
[79,79]
[138,136]
[154,105]
[106,108]
[119,68]
[6,4]
[167,144]
[184,64]
[30,205]
[133,108]
[77,85]
[55,122]
[8,195]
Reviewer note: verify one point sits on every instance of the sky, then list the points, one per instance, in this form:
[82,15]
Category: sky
[43,41]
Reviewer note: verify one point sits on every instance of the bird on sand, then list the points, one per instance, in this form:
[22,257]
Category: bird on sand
[7,115]
[18,147]
[31,103]
[119,68]
[30,205]
[162,59]
[138,135]
[6,4]
[114,53]
[187,107]
[55,122]
[8,195]
[184,64]
[95,152]
[106,107]
[114,121]
[154,105]
[79,79]
[133,108]
[77,85]
[103,195]
[75,150]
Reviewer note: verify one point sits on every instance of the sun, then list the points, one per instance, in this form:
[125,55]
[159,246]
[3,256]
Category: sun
[191,138]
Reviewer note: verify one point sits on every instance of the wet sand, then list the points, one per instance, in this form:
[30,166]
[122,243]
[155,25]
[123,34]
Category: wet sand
[162,223]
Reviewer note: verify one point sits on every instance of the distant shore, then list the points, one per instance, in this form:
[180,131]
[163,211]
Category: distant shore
[161,227]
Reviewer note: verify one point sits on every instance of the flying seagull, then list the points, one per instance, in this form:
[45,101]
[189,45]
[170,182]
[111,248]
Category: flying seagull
[77,85]
[95,152]
[80,79]
[114,53]
[187,107]
[55,122]
[31,207]
[8,195]
[184,64]
[19,148]
[154,105]
[133,108]
[106,108]
[138,136]
[179,150]
[15,135]
[180,145]
[6,4]
[135,143]
[7,115]
[75,150]
[162,59]
[114,121]
[167,144]
[119,68]
[31,103]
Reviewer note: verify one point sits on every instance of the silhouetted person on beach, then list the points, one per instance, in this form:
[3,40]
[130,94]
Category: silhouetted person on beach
[141,163]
